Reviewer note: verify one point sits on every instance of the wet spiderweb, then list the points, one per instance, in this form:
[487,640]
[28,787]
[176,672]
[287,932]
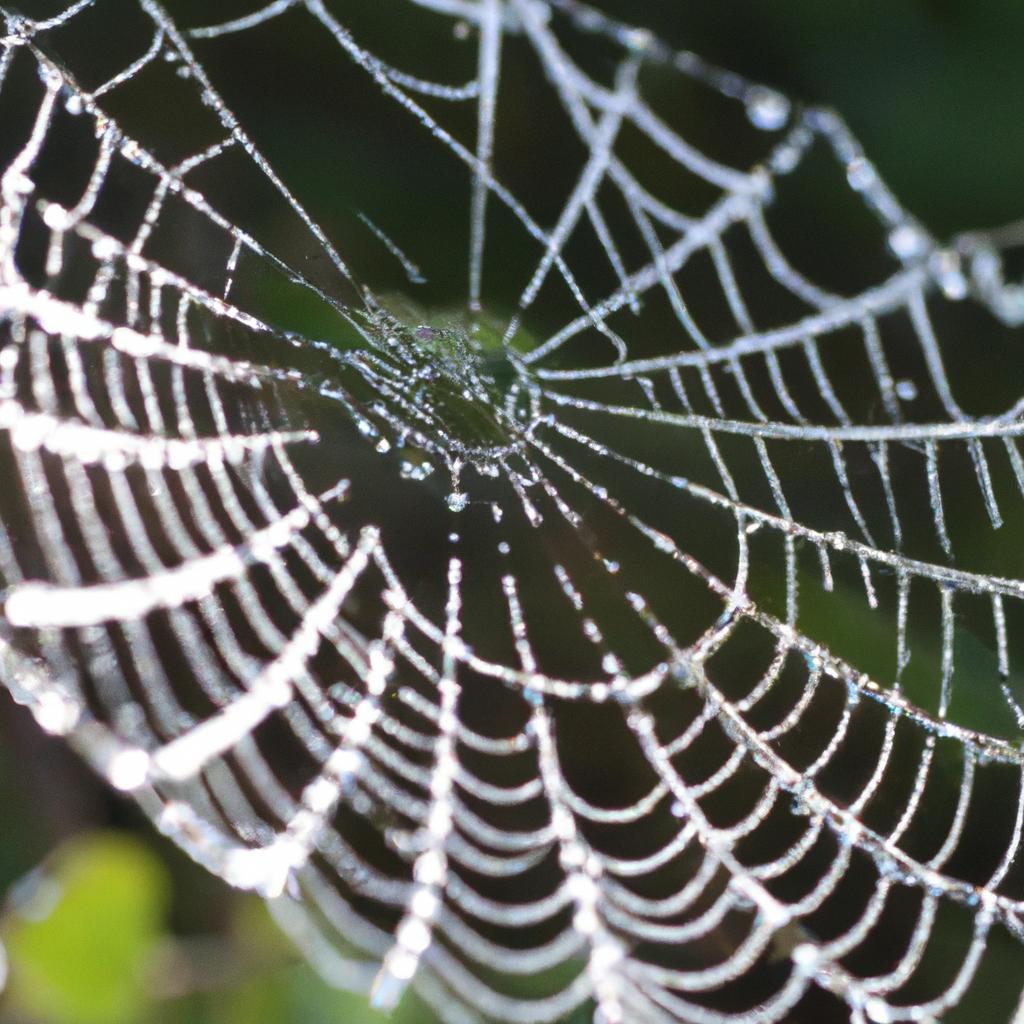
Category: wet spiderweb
[627,624]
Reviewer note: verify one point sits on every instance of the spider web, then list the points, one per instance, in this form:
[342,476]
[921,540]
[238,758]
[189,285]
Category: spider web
[637,635]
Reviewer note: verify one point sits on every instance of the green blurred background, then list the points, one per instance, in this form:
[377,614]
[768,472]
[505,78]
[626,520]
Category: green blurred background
[117,927]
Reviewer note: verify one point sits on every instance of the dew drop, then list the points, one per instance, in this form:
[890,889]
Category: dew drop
[805,957]
[457,500]
[906,389]
[637,39]
[19,183]
[416,470]
[56,217]
[878,1010]
[908,241]
[128,768]
[946,269]
[861,174]
[50,76]
[785,159]
[104,248]
[767,109]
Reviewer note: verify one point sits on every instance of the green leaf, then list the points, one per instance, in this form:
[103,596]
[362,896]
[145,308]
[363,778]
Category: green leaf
[79,944]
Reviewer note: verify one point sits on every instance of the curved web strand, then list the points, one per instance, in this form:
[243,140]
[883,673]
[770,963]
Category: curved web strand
[637,632]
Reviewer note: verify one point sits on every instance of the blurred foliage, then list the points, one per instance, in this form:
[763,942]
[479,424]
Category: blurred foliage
[89,939]
[82,929]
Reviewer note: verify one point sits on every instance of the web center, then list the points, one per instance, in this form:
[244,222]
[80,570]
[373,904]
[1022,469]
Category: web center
[451,390]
